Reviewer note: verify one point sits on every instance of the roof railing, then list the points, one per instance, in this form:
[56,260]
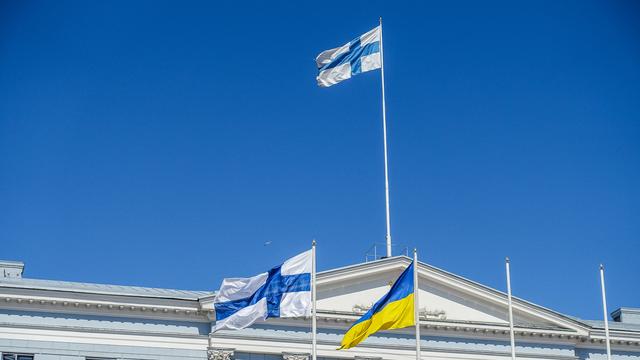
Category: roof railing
[377,251]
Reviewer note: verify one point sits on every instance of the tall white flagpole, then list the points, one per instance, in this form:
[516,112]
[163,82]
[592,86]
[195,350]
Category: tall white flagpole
[314,341]
[511,332]
[384,131]
[416,302]
[604,311]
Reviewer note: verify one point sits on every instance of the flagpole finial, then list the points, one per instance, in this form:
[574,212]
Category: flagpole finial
[313,242]
[380,20]
[601,267]
[506,259]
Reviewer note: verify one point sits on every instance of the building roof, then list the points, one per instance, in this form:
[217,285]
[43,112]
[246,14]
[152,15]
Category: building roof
[613,325]
[191,295]
[105,289]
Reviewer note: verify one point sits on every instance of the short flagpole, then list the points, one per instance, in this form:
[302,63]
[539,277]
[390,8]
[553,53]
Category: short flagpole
[384,132]
[604,311]
[416,302]
[511,332]
[314,341]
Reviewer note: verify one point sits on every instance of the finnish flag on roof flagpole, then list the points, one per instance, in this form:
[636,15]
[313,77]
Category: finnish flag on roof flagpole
[284,291]
[357,56]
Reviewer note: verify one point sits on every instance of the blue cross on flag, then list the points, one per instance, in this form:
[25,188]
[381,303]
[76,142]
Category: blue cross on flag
[284,291]
[359,55]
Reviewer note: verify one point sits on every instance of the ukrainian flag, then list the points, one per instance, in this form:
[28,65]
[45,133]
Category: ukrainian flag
[393,311]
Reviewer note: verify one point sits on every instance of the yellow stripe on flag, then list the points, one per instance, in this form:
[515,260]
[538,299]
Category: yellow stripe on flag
[395,315]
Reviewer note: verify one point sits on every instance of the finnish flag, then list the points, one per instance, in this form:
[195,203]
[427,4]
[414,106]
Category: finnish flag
[358,56]
[284,291]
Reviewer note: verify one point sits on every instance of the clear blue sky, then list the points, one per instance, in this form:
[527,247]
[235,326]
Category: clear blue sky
[163,143]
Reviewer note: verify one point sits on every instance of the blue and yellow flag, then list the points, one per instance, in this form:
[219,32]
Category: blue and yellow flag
[393,311]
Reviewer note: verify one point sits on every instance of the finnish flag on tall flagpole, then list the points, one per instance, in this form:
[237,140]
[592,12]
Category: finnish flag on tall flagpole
[284,291]
[359,55]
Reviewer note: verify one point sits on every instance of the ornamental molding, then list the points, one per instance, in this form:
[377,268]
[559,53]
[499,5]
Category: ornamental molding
[530,336]
[360,309]
[74,305]
[295,356]
[214,353]
[424,313]
[373,347]
[490,330]
[438,314]
[429,322]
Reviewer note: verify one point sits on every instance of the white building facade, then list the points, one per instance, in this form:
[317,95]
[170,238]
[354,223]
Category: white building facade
[460,319]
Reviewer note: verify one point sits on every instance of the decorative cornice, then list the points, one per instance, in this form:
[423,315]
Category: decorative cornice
[484,331]
[445,350]
[568,330]
[214,353]
[448,327]
[71,305]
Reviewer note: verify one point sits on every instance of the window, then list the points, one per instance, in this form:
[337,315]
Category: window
[10,356]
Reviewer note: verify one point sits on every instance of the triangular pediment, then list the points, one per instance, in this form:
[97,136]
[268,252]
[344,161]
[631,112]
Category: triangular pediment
[444,297]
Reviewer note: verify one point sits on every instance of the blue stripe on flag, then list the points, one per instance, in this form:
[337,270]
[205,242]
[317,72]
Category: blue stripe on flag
[368,49]
[356,51]
[273,289]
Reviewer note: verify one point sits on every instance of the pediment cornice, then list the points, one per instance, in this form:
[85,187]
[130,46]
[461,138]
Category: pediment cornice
[452,281]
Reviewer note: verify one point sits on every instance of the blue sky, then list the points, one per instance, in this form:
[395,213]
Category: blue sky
[163,143]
